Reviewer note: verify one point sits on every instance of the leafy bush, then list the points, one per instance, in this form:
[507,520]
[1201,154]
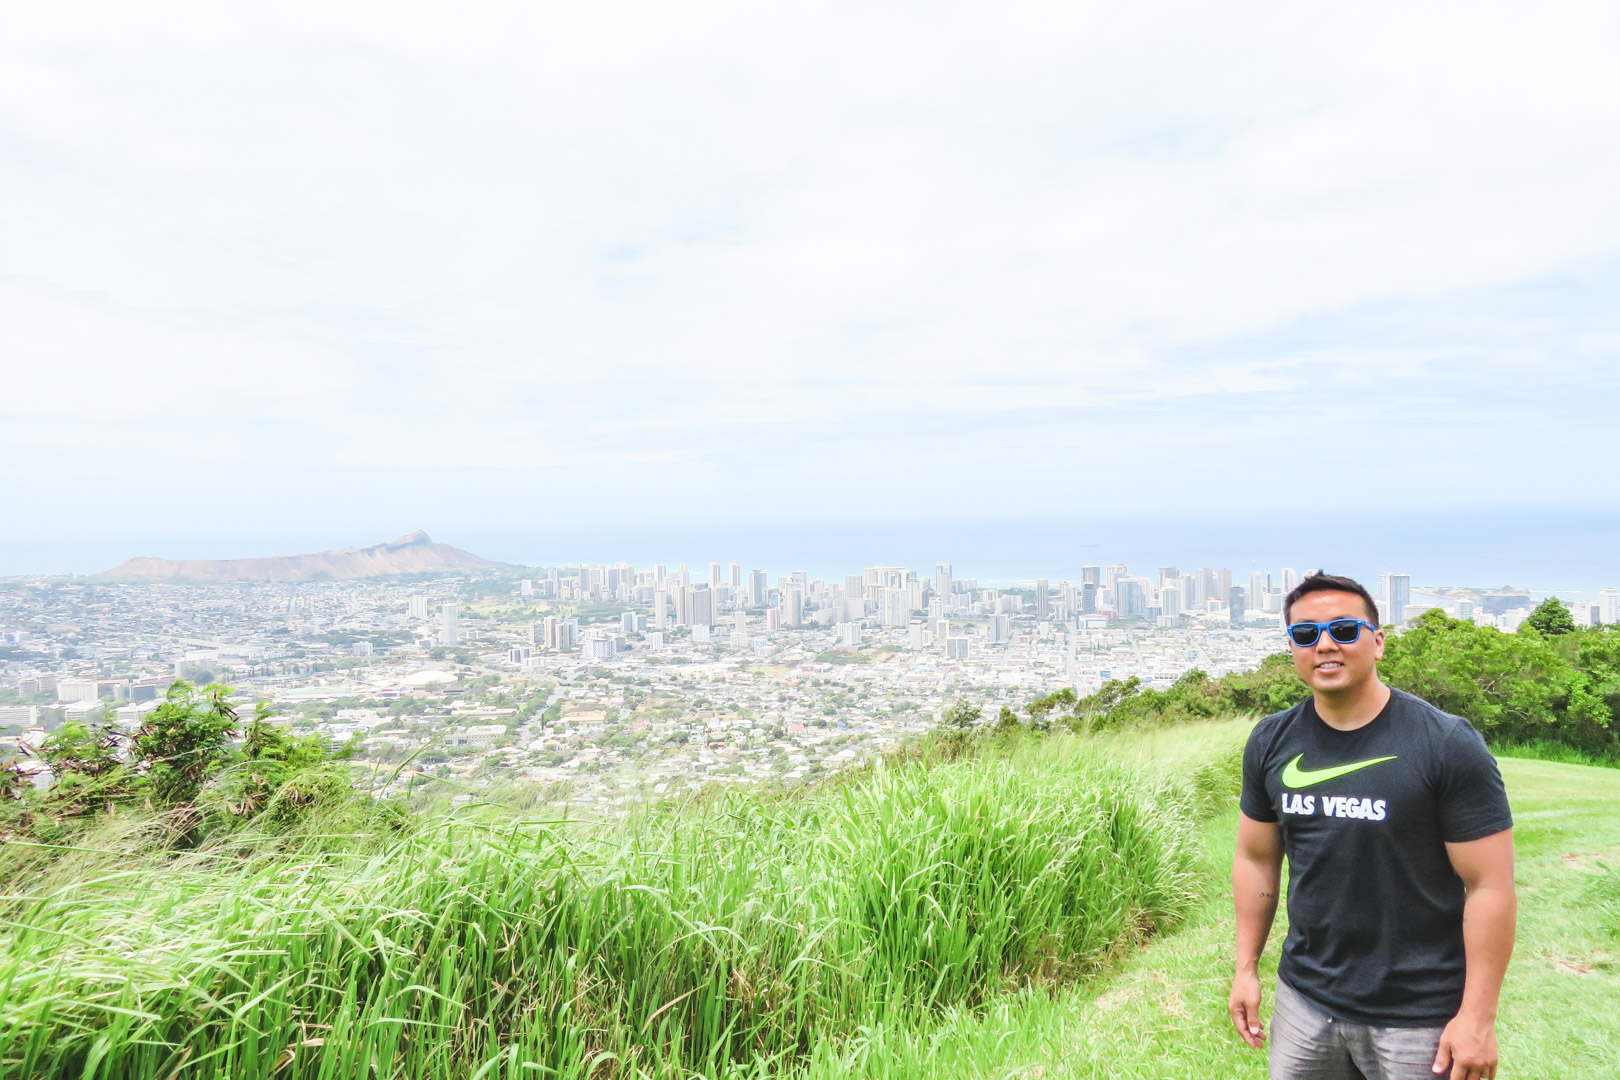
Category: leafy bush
[1515,688]
[192,762]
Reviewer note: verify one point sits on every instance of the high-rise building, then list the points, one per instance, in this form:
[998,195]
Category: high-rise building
[449,630]
[793,607]
[1609,607]
[1394,593]
[756,588]
[1290,578]
[1088,597]
[1130,597]
[1206,587]
[854,587]
[917,636]
[417,607]
[715,580]
[526,587]
[998,629]
[1223,584]
[895,607]
[699,605]
[736,575]
[773,618]
[70,690]
[1170,600]
[884,577]
[942,578]
[1091,575]
[1189,592]
[1112,575]
[1043,607]
[849,634]
[1236,605]
[1168,575]
[1256,595]
[661,609]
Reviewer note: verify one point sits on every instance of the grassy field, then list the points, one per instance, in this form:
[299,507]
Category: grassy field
[1162,1013]
[738,935]
[1056,910]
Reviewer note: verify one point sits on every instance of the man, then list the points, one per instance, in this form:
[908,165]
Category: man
[1400,853]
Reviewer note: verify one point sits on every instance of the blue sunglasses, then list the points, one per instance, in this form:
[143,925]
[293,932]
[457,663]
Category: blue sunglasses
[1344,631]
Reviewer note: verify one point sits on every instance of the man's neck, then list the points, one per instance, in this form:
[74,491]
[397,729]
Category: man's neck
[1352,708]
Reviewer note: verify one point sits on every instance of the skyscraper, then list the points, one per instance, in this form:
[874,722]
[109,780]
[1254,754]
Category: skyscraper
[1290,578]
[896,607]
[1223,584]
[1609,607]
[854,587]
[998,629]
[736,575]
[1206,587]
[1130,597]
[1235,605]
[1395,592]
[793,608]
[1112,575]
[1091,575]
[1168,575]
[942,578]
[700,605]
[1043,608]
[449,630]
[715,580]
[756,588]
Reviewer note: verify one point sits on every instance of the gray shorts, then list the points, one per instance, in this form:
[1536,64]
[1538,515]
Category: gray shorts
[1308,1044]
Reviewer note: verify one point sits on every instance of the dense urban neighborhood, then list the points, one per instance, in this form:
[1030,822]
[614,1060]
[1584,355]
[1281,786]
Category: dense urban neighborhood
[600,685]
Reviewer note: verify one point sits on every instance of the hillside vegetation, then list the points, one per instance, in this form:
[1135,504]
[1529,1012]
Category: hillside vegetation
[1162,1012]
[1550,688]
[737,934]
[211,898]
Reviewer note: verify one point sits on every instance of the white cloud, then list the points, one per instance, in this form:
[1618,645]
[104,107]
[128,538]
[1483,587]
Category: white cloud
[581,246]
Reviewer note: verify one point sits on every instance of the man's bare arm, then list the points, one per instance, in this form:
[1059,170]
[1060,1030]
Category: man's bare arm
[1256,879]
[1468,1044]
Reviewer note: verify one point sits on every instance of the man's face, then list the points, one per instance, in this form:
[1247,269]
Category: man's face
[1330,666]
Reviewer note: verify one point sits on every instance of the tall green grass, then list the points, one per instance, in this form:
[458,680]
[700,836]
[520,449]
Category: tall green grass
[729,938]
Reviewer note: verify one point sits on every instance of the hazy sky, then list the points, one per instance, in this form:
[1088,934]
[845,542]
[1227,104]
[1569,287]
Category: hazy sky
[321,274]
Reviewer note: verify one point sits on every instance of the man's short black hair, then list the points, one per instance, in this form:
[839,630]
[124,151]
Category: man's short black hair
[1331,583]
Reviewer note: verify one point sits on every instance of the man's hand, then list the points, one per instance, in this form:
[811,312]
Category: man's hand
[1244,1005]
[1467,1049]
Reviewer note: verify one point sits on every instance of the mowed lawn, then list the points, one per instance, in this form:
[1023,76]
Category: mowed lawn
[1163,1012]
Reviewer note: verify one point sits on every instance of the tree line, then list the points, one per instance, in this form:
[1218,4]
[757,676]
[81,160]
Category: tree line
[1549,684]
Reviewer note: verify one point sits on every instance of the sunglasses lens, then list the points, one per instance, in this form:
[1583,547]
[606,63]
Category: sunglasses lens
[1304,636]
[1344,631]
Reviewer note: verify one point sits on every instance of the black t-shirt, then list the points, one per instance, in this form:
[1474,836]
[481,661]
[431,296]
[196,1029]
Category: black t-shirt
[1374,906]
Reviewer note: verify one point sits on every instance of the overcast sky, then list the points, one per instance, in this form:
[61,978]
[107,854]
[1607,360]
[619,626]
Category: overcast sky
[321,274]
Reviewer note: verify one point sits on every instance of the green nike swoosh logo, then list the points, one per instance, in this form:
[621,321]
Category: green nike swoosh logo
[1295,777]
